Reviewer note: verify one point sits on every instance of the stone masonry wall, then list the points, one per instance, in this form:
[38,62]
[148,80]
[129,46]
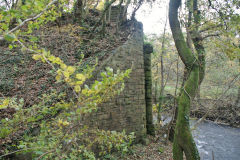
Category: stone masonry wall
[116,14]
[125,111]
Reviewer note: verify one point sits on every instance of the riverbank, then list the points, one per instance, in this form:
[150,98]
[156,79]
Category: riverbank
[218,111]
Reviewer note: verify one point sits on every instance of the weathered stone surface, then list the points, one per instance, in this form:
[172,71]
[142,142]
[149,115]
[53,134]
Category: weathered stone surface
[126,111]
[148,49]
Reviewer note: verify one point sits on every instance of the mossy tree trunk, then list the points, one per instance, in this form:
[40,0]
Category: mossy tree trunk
[183,140]
[193,38]
[198,43]
[148,49]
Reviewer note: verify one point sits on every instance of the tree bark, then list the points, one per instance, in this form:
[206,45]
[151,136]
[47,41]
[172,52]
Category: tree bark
[198,43]
[183,140]
[194,37]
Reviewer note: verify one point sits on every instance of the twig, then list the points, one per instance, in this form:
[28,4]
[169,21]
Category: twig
[136,9]
[7,4]
[211,35]
[204,116]
[17,151]
[29,19]
[45,154]
[36,52]
[102,16]
[95,6]
[210,27]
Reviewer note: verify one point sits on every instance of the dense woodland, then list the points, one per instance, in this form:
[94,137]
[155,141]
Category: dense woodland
[49,50]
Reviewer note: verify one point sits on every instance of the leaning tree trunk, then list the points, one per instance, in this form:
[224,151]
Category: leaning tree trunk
[183,140]
[198,43]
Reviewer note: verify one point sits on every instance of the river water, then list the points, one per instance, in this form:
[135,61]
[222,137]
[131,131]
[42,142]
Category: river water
[214,140]
[219,141]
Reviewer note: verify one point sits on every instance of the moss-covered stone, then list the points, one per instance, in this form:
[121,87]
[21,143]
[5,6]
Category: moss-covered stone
[148,49]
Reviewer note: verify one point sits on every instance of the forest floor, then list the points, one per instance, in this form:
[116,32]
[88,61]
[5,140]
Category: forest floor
[156,149]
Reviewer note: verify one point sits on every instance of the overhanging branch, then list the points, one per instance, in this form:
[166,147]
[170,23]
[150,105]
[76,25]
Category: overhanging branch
[29,19]
[211,35]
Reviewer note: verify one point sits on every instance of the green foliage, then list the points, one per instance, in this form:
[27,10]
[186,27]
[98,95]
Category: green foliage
[9,37]
[161,149]
[109,141]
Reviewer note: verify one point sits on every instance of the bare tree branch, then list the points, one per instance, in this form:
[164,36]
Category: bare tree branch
[7,4]
[103,14]
[136,8]
[95,6]
[214,104]
[210,27]
[211,35]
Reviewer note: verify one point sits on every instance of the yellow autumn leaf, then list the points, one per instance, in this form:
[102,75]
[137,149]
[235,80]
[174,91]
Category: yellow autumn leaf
[59,71]
[4,103]
[84,91]
[65,123]
[77,88]
[60,121]
[79,82]
[63,66]
[58,61]
[36,57]
[80,77]
[68,80]
[58,77]
[52,59]
[66,74]
[71,69]
[43,60]
[71,83]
